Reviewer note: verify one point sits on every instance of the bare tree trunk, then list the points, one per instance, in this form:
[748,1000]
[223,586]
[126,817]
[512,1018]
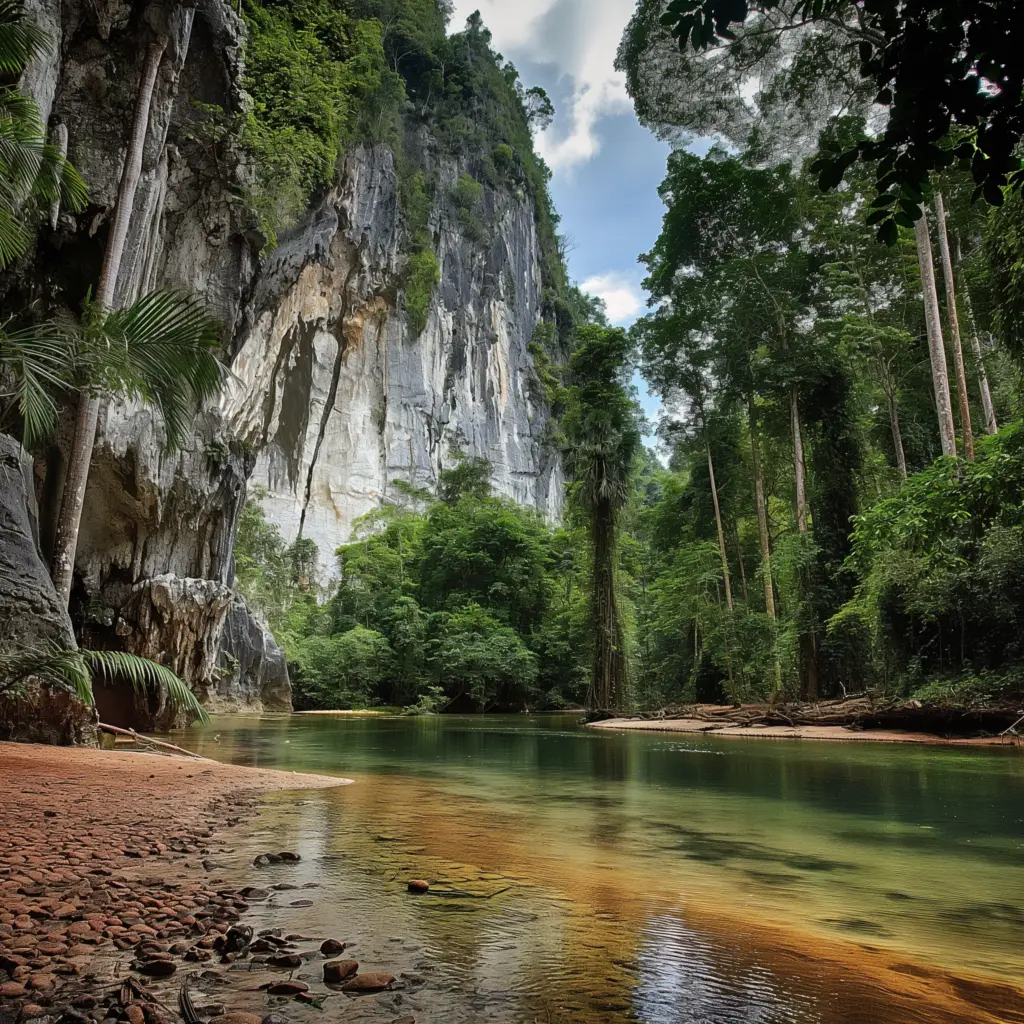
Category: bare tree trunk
[721,530]
[897,434]
[608,690]
[954,329]
[73,501]
[739,562]
[991,424]
[936,349]
[762,514]
[798,463]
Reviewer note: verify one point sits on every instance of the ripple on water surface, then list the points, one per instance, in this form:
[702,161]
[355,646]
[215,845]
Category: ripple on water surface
[632,877]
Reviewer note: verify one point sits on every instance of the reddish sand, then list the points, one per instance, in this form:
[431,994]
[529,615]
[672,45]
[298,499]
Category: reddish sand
[86,853]
[791,732]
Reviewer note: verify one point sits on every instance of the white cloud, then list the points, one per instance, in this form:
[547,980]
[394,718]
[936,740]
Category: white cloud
[622,297]
[579,39]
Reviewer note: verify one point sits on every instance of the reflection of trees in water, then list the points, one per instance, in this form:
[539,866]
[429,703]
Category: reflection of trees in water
[686,977]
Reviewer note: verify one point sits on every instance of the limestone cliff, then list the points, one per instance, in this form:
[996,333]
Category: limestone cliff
[333,397]
[341,399]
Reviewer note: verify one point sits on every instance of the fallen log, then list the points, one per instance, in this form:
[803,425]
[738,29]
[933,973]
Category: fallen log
[856,712]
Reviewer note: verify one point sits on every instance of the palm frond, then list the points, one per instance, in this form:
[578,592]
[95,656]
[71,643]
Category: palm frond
[74,672]
[20,39]
[41,360]
[164,349]
[145,675]
[14,238]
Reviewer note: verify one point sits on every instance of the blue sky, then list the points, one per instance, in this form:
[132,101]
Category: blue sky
[607,168]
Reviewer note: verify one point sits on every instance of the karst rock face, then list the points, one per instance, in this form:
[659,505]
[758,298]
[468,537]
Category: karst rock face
[332,397]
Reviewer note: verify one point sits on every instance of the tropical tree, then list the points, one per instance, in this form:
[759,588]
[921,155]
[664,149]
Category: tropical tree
[32,170]
[602,441]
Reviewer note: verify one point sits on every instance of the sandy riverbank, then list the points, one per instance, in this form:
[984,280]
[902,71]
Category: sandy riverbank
[798,732]
[104,856]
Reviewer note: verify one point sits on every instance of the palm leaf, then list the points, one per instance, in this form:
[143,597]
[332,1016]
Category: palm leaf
[145,675]
[163,349]
[20,39]
[14,238]
[41,361]
[74,671]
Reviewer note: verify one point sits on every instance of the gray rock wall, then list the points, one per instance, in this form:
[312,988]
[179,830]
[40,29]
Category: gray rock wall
[31,616]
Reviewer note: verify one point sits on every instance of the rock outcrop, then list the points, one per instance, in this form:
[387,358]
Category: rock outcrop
[252,673]
[31,616]
[334,397]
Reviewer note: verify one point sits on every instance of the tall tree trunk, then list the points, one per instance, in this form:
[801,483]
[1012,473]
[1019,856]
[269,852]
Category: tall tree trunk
[740,563]
[936,349]
[764,538]
[991,424]
[897,437]
[798,463]
[608,688]
[87,419]
[954,328]
[721,529]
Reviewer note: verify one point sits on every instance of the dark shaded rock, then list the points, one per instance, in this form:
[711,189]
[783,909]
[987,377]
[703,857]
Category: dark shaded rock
[157,968]
[292,858]
[332,947]
[31,613]
[287,960]
[301,903]
[419,886]
[287,988]
[253,668]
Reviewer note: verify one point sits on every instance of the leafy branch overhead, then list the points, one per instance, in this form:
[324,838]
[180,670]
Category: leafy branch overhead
[946,73]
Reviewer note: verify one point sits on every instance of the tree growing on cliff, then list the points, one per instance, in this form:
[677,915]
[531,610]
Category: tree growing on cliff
[602,441]
[160,350]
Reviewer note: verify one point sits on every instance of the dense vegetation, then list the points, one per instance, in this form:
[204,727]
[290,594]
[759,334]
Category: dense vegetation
[829,518]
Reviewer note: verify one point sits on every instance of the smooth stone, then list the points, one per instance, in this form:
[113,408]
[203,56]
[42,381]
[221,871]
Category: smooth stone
[332,947]
[375,981]
[287,988]
[338,971]
[236,1017]
[419,886]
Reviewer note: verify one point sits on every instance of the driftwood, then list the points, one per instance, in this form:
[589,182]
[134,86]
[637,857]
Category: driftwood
[147,741]
[862,711]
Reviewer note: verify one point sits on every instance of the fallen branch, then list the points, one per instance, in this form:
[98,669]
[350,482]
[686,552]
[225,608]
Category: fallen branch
[160,744]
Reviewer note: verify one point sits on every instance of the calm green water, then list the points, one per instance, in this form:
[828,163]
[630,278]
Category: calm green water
[653,877]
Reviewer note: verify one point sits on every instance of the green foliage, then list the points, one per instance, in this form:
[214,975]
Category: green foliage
[422,276]
[924,62]
[602,442]
[460,597]
[940,567]
[313,72]
[340,671]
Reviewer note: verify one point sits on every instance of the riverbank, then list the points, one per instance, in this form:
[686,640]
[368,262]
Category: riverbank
[835,733]
[108,882]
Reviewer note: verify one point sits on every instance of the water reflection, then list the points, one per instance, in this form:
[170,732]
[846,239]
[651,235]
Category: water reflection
[656,878]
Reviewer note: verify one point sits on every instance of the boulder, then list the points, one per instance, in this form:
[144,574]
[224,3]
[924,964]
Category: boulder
[252,672]
[31,614]
[375,981]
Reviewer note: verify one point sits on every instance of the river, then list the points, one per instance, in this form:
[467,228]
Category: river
[663,878]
